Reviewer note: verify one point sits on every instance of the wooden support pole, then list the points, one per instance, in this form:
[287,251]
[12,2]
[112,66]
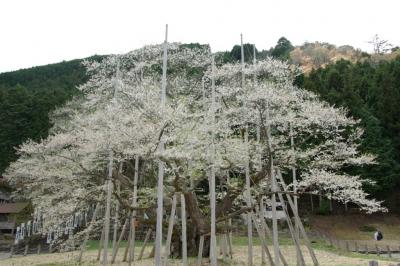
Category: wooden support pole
[108,210]
[347,246]
[160,181]
[224,246]
[170,229]
[133,218]
[378,252]
[121,236]
[229,237]
[146,239]
[229,226]
[266,229]
[153,250]
[109,187]
[89,229]
[356,246]
[39,247]
[200,254]
[50,248]
[264,243]
[213,240]
[258,136]
[131,248]
[247,174]
[263,259]
[184,238]
[274,221]
[128,245]
[294,182]
[366,249]
[301,227]
[116,215]
[295,237]
[100,244]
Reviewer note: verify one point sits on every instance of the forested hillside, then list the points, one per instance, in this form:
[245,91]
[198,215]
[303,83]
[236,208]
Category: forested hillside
[26,98]
[371,92]
[369,88]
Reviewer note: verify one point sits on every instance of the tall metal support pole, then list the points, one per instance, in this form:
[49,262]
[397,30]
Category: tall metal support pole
[108,207]
[213,239]
[248,202]
[247,176]
[274,219]
[263,260]
[170,230]
[296,216]
[133,218]
[274,190]
[293,168]
[184,238]
[296,229]
[254,63]
[116,216]
[229,223]
[109,184]
[160,183]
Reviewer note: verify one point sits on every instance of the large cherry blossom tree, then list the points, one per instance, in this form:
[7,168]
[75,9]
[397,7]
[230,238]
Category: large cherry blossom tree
[66,172]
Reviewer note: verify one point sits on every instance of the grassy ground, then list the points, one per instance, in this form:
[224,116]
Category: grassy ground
[359,227]
[326,254]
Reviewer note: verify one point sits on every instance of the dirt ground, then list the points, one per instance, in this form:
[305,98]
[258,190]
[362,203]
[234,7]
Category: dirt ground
[240,258]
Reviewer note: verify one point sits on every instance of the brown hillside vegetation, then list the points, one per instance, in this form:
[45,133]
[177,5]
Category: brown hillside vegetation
[319,54]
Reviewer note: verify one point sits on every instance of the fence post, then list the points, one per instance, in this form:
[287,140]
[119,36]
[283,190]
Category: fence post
[50,248]
[373,263]
[378,252]
[366,249]
[356,246]
[39,247]
[347,246]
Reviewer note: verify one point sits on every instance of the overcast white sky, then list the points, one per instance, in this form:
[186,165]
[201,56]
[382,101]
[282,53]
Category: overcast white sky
[37,32]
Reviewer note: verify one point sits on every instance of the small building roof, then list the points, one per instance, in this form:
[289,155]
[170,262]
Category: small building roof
[12,207]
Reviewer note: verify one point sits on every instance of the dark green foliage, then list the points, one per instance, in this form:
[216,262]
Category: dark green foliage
[282,49]
[371,92]
[26,98]
[235,54]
